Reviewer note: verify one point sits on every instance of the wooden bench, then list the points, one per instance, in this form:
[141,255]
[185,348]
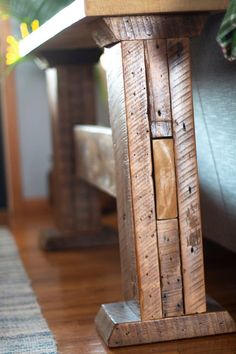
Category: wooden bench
[157,189]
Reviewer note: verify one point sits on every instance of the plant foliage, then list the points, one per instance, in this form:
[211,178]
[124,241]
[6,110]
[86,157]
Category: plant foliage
[28,10]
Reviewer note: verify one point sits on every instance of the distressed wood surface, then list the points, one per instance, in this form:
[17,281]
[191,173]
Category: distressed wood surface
[170,265]
[119,326]
[110,30]
[141,179]
[158,88]
[71,99]
[164,176]
[133,112]
[187,175]
[123,182]
[94,157]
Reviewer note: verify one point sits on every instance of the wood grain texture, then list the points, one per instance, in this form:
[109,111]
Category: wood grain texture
[165,180]
[170,265]
[141,179]
[110,30]
[158,88]
[119,326]
[187,175]
[94,157]
[117,115]
[71,98]
[133,115]
[114,8]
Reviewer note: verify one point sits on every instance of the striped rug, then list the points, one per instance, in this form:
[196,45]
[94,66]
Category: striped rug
[22,326]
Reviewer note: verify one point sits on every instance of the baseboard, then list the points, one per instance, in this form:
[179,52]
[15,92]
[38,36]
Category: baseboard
[4,217]
[35,206]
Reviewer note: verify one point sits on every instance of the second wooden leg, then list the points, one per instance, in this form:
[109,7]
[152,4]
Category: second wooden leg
[76,204]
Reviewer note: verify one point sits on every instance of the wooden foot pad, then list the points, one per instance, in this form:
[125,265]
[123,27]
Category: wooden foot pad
[119,326]
[53,240]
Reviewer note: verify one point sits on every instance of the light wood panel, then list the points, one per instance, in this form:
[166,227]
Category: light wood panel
[170,265]
[158,88]
[187,175]
[113,7]
[164,176]
[133,115]
[94,157]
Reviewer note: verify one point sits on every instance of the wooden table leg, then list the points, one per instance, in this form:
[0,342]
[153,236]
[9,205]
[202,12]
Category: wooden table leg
[71,90]
[150,99]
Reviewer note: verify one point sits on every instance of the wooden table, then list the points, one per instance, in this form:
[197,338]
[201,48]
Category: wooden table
[157,189]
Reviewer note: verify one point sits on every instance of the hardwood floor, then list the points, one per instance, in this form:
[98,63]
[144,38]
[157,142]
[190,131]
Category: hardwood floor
[71,286]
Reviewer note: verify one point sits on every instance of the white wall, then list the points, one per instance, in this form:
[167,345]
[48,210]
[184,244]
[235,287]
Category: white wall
[34,129]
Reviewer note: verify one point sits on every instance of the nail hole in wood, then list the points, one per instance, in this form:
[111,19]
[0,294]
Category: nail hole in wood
[179,49]
[146,256]
[192,250]
[184,127]
[189,190]
[159,112]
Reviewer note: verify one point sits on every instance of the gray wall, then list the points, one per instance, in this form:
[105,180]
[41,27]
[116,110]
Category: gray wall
[214,83]
[34,129]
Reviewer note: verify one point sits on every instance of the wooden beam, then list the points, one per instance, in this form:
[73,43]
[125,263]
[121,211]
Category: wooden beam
[94,157]
[108,30]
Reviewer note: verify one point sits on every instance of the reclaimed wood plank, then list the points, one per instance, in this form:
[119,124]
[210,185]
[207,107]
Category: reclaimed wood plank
[122,175]
[108,30]
[187,175]
[158,88]
[130,57]
[170,265]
